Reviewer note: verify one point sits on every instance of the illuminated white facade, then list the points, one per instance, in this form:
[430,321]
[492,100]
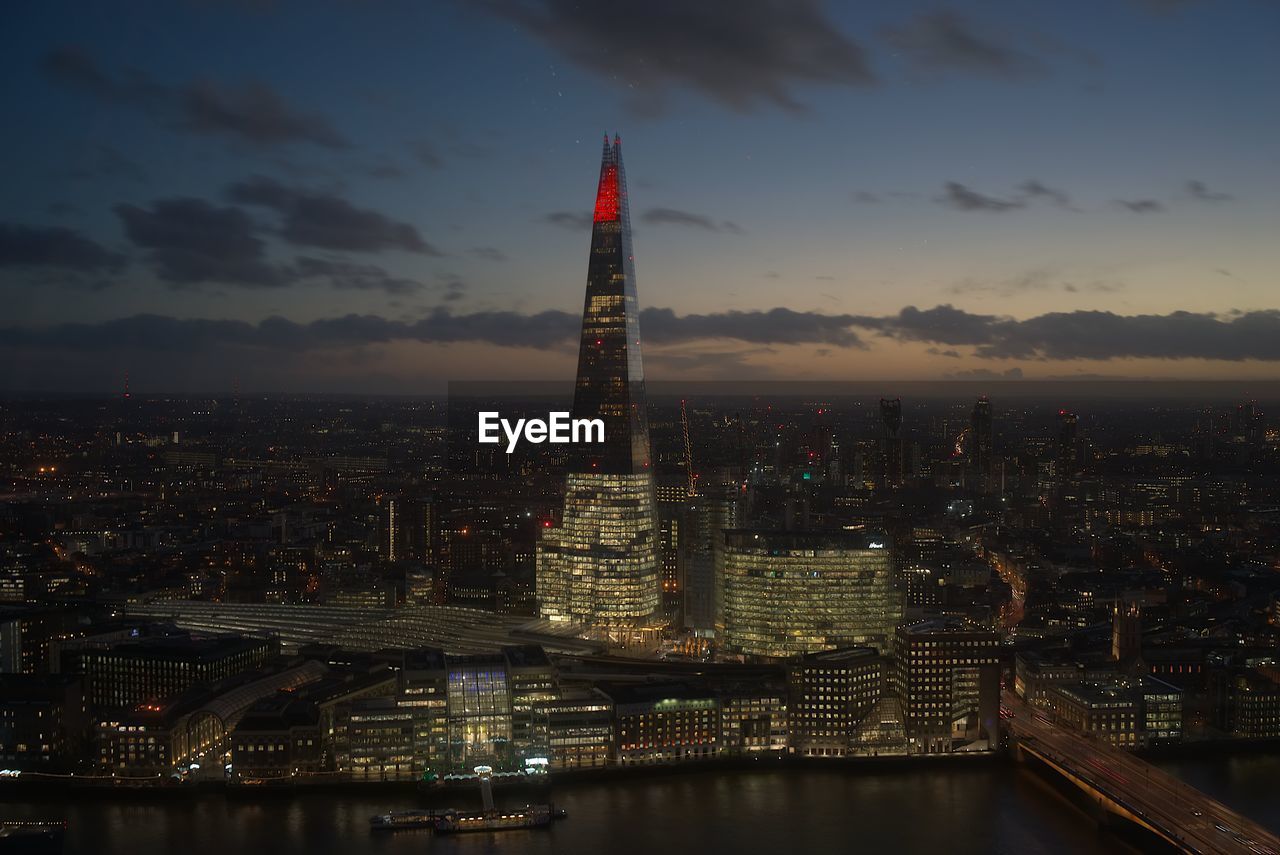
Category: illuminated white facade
[599,569]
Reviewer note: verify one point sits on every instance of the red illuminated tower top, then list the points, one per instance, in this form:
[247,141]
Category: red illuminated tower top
[610,383]
[609,193]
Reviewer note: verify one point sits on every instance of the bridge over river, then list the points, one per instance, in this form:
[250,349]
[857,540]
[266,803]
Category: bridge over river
[1128,787]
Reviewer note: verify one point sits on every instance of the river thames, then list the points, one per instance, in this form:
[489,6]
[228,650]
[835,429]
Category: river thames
[962,807]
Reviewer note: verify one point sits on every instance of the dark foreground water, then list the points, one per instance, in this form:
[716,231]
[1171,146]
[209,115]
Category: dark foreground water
[955,808]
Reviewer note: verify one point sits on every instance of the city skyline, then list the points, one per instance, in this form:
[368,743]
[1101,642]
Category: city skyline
[227,196]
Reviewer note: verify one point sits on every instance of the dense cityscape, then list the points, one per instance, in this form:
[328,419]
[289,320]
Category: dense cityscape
[882,454]
[168,573]
[265,593]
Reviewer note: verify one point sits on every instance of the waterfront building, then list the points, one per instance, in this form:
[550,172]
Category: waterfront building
[347,684]
[379,740]
[43,722]
[579,728]
[1129,712]
[664,723]
[479,711]
[123,674]
[422,691]
[947,680]
[1109,711]
[157,737]
[600,567]
[753,721]
[1251,706]
[278,739]
[830,694]
[788,593]
[533,683]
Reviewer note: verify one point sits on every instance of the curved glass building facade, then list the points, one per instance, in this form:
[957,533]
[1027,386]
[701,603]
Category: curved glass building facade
[788,593]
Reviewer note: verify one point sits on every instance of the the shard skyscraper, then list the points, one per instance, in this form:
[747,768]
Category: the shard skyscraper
[599,568]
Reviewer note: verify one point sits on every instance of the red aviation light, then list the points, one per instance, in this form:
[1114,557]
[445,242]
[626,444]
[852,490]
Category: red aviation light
[607,195]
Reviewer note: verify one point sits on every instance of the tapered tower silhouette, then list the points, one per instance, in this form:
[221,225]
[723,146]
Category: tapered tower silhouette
[599,568]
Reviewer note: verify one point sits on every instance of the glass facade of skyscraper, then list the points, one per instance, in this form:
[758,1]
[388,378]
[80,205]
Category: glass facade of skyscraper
[600,568]
[787,593]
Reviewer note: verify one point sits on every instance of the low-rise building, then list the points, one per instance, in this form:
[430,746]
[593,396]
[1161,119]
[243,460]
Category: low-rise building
[579,729]
[664,723]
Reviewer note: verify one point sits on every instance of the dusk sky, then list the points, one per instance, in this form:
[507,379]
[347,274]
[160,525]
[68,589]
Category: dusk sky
[384,196]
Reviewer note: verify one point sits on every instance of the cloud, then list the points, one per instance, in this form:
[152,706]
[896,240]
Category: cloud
[1033,189]
[866,197]
[1035,280]
[940,325]
[426,154]
[348,276]
[1093,335]
[488,253]
[434,153]
[944,41]
[962,198]
[385,171]
[55,248]
[673,216]
[1141,206]
[74,67]
[191,242]
[573,220]
[740,53]
[251,112]
[1197,190]
[722,363]
[774,326]
[1014,373]
[104,161]
[326,221]
[80,348]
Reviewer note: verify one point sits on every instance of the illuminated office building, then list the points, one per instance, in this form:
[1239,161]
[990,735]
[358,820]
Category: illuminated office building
[831,693]
[664,723]
[948,682]
[787,593]
[479,710]
[600,567]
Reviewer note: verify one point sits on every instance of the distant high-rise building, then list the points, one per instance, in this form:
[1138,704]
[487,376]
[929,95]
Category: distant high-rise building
[600,567]
[892,450]
[790,592]
[1246,423]
[1068,444]
[980,445]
